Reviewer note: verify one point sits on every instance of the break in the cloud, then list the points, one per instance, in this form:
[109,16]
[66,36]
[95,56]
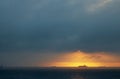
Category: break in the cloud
[59,25]
[99,4]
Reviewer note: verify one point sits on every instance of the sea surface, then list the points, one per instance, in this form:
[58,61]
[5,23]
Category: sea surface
[54,73]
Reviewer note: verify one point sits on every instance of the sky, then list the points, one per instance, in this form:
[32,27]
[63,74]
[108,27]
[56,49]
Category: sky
[60,32]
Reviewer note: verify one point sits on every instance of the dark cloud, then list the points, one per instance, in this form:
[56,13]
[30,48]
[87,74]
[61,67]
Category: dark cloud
[58,26]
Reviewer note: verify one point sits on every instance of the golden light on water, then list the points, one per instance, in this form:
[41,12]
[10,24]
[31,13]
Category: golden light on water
[75,59]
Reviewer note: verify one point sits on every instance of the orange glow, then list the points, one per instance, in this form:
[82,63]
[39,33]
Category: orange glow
[74,59]
[74,64]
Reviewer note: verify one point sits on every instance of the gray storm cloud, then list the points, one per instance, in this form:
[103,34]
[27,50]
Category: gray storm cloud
[59,25]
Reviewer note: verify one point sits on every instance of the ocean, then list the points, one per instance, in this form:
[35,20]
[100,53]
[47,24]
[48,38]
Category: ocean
[59,73]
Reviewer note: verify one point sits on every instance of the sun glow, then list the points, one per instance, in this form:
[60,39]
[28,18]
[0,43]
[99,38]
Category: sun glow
[75,64]
[75,59]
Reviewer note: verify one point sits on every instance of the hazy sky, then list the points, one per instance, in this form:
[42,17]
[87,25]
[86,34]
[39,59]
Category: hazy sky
[40,32]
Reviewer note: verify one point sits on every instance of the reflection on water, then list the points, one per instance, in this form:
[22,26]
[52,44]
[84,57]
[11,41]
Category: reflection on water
[77,77]
[60,74]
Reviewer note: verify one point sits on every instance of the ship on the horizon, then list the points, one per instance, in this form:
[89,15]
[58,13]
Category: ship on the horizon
[83,66]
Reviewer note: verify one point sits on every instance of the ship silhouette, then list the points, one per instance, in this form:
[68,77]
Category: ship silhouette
[83,66]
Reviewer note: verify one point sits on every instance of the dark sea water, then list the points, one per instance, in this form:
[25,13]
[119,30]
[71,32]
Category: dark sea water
[59,73]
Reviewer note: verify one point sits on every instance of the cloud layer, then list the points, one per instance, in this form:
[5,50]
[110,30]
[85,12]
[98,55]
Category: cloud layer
[59,25]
